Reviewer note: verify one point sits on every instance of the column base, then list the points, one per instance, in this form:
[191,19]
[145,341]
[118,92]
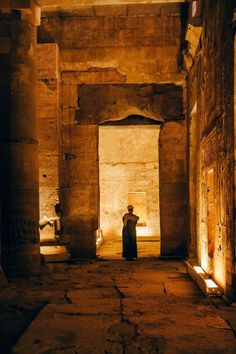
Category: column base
[81,235]
[19,260]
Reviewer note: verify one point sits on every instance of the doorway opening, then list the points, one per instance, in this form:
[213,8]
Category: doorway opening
[129,174]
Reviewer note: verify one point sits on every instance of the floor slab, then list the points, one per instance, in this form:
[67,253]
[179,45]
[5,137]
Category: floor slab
[116,307]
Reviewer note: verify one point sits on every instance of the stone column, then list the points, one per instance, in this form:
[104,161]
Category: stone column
[48,130]
[20,236]
[80,199]
[234,27]
[4,117]
[173,189]
[193,182]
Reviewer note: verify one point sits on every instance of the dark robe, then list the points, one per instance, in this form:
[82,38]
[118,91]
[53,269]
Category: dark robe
[129,238]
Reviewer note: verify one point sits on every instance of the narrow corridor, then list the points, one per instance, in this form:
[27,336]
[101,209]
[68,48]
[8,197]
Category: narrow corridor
[116,307]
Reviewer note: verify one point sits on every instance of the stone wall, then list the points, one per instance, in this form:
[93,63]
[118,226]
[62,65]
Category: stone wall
[234,132]
[173,189]
[5,44]
[80,188]
[84,107]
[129,163]
[112,66]
[48,129]
[19,145]
[114,49]
[210,105]
[102,103]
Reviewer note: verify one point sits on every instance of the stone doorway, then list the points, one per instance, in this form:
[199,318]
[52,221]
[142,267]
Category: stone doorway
[129,174]
[159,105]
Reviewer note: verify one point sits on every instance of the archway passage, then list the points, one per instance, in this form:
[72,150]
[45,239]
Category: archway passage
[79,175]
[129,174]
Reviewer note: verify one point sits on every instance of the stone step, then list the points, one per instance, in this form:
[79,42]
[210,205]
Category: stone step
[55,253]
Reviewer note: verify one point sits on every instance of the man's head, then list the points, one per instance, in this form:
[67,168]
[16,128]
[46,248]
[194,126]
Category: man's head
[130,208]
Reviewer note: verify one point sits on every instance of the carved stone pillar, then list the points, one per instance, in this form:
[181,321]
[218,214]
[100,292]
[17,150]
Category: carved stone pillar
[81,196]
[20,233]
[173,189]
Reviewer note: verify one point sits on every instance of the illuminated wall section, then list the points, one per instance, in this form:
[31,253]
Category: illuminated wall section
[139,200]
[128,163]
[48,131]
[210,86]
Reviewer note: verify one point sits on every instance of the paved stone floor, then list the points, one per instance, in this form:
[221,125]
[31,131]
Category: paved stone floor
[106,306]
[112,248]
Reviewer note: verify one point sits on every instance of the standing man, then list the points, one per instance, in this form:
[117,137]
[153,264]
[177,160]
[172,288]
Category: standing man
[129,234]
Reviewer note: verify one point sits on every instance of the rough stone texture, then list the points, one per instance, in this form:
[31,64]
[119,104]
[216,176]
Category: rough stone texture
[48,129]
[111,249]
[4,118]
[83,108]
[210,87]
[234,132]
[145,306]
[100,103]
[193,132]
[82,5]
[114,49]
[128,162]
[79,191]
[19,145]
[173,188]
[97,51]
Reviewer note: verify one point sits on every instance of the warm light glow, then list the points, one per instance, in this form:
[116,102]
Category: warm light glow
[47,250]
[99,237]
[194,8]
[145,231]
[128,174]
[220,270]
[204,253]
[139,200]
[211,284]
[198,270]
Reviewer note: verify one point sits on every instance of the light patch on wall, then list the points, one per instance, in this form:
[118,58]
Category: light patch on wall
[129,174]
[138,200]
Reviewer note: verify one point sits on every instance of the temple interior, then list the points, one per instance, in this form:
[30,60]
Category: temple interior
[105,104]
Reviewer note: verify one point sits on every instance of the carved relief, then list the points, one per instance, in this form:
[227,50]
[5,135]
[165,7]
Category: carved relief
[21,231]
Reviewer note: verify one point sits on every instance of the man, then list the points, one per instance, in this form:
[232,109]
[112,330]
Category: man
[129,234]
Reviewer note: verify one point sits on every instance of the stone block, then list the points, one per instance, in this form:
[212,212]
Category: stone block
[122,64]
[103,76]
[176,170]
[54,254]
[110,10]
[82,172]
[48,170]
[47,61]
[146,41]
[148,9]
[81,232]
[68,116]
[81,200]
[128,36]
[23,167]
[70,326]
[69,96]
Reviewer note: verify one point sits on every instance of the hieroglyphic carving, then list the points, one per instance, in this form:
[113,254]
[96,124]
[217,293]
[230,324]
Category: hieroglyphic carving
[21,231]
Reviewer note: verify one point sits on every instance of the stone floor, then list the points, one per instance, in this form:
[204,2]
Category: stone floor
[144,306]
[112,248]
